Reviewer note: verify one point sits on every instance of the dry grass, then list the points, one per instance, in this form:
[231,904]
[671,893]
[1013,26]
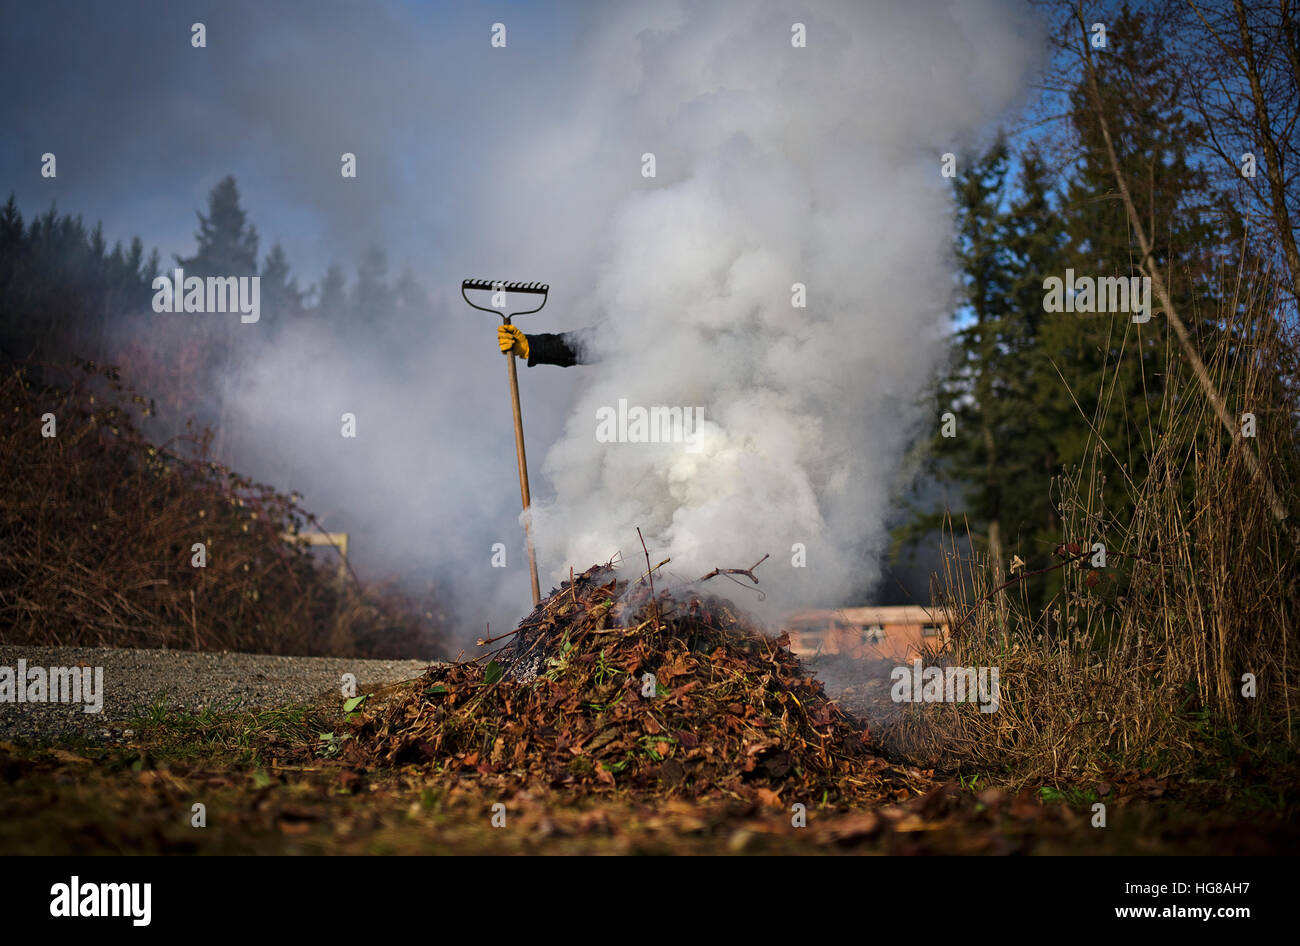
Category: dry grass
[1140,664]
[97,528]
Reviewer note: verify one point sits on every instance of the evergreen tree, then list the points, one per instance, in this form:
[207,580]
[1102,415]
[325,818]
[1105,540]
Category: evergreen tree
[977,453]
[60,286]
[1034,240]
[282,300]
[227,242]
[1000,385]
[372,298]
[1115,369]
[332,303]
[227,246]
[971,456]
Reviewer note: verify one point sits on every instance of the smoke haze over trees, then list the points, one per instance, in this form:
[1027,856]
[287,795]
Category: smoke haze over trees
[427,488]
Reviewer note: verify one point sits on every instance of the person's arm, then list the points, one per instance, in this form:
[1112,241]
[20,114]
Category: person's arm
[546,349]
[565,349]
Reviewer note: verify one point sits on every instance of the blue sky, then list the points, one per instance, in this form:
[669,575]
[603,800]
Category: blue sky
[143,124]
[776,163]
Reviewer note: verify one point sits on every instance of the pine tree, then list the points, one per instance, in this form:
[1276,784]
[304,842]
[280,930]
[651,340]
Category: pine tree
[282,300]
[227,246]
[1001,386]
[372,297]
[1033,239]
[60,286]
[227,242]
[972,458]
[1114,368]
[332,303]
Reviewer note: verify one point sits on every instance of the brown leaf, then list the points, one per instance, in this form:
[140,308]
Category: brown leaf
[856,826]
[671,771]
[1151,787]
[992,797]
[1025,805]
[63,755]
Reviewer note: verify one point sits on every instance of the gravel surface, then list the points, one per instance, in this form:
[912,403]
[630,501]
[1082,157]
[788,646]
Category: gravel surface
[135,680]
[861,686]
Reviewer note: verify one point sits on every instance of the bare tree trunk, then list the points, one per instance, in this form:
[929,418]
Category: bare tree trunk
[1273,157]
[1292,48]
[995,526]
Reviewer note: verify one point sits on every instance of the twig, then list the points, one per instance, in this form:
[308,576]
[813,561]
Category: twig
[642,577]
[650,574]
[484,641]
[1019,578]
[747,572]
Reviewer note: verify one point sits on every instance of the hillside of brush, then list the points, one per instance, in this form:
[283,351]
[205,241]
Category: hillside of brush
[100,528]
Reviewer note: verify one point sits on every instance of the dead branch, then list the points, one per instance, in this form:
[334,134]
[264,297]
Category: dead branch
[747,572]
[484,641]
[649,574]
[1007,584]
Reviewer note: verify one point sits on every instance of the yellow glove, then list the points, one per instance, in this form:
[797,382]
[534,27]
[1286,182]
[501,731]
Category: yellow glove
[512,341]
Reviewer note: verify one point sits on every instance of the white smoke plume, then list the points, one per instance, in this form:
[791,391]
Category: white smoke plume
[775,165]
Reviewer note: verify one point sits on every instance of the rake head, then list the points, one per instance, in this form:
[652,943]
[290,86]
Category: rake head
[495,286]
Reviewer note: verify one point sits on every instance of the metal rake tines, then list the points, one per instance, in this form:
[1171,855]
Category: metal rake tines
[501,285]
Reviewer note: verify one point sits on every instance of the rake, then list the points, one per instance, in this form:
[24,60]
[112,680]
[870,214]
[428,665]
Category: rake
[499,288]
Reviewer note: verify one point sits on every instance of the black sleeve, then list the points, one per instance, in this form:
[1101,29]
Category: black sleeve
[564,350]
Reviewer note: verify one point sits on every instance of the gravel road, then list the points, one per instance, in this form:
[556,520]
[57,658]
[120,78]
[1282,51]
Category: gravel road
[134,680]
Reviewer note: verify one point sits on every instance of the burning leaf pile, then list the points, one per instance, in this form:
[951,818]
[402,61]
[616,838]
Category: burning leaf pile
[605,687]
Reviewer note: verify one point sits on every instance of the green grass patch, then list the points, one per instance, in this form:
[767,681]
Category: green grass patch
[232,736]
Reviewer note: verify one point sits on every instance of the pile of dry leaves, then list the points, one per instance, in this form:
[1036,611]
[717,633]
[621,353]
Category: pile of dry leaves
[605,686]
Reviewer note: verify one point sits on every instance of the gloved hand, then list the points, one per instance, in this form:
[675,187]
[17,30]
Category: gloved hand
[512,341]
